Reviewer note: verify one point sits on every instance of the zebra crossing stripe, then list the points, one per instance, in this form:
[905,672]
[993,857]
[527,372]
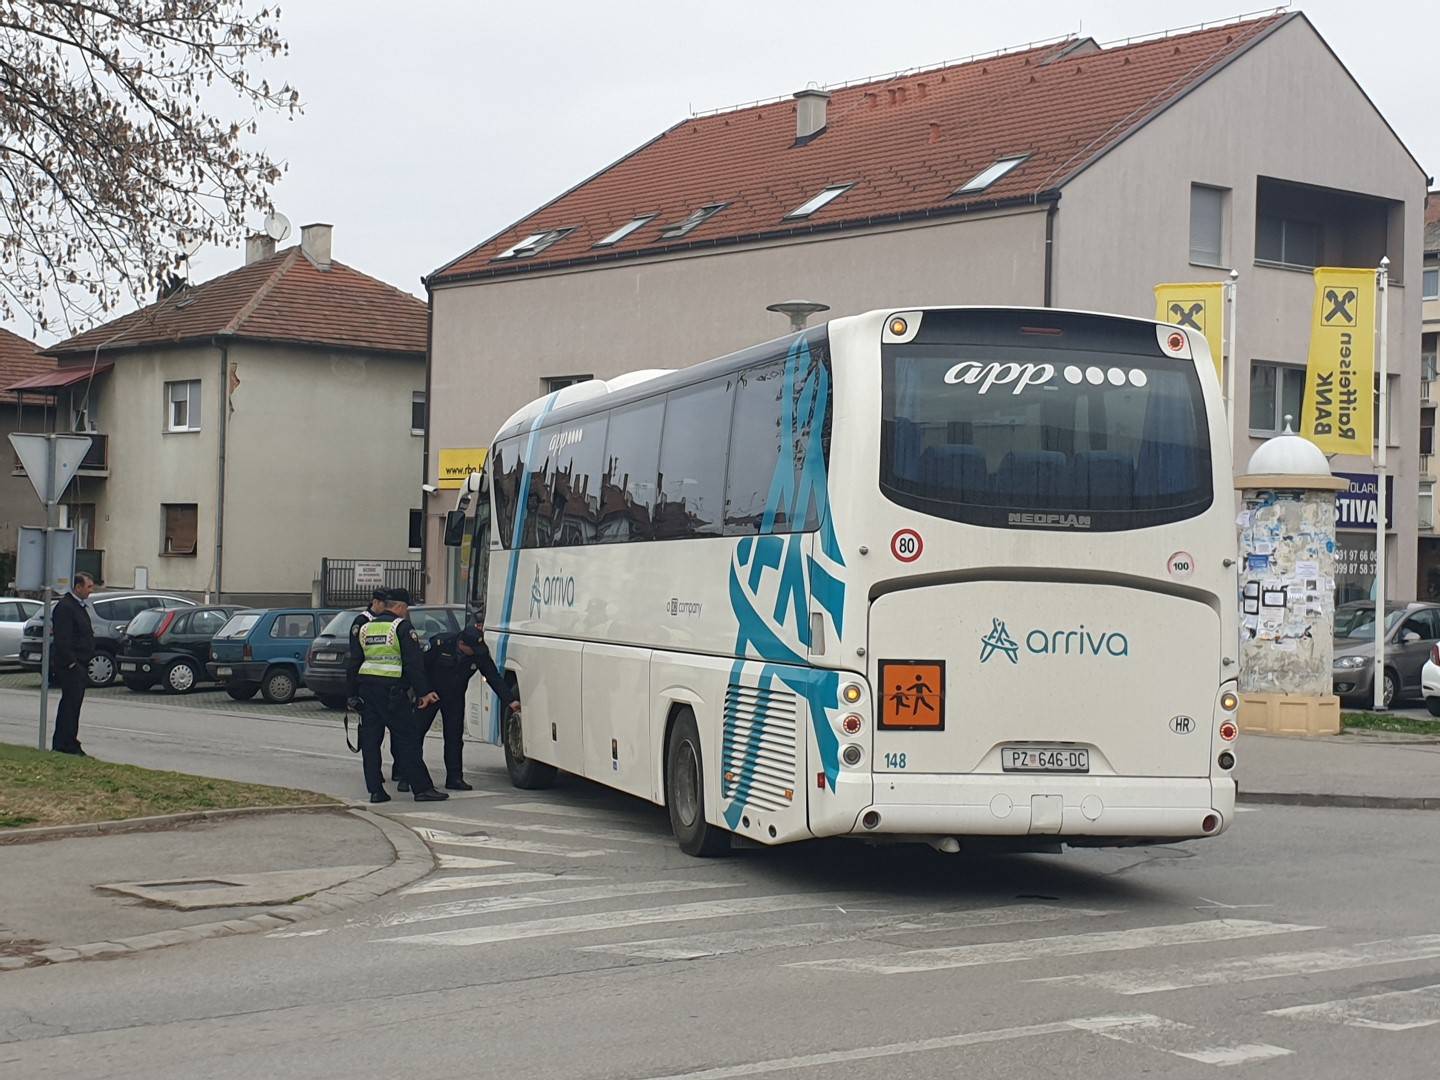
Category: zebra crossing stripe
[1250,969]
[618,920]
[1181,1040]
[588,813]
[581,894]
[446,861]
[608,835]
[725,942]
[524,847]
[1401,1010]
[1050,948]
[459,882]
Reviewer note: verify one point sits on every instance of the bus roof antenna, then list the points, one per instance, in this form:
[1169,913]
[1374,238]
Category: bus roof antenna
[798,311]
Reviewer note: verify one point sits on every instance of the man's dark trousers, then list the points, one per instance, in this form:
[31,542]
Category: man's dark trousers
[452,724]
[388,706]
[73,682]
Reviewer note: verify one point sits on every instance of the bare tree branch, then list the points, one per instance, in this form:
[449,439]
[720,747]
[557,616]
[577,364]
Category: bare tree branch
[110,148]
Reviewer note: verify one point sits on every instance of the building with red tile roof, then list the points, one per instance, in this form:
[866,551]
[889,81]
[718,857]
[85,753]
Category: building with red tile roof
[19,359]
[246,427]
[1072,173]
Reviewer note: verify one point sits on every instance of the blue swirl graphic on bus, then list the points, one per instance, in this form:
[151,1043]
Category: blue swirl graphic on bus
[795,496]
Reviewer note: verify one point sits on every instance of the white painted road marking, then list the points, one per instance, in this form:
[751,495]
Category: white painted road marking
[1049,948]
[1402,1010]
[724,942]
[867,1053]
[580,894]
[1181,1040]
[487,881]
[618,920]
[447,861]
[1249,969]
[558,809]
[609,835]
[525,847]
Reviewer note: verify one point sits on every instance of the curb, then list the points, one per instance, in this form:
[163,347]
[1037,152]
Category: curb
[1354,802]
[159,821]
[412,862]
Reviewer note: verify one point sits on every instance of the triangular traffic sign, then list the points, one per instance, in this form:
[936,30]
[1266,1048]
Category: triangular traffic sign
[34,453]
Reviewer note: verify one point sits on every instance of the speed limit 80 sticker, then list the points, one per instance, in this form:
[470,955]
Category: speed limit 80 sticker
[906,545]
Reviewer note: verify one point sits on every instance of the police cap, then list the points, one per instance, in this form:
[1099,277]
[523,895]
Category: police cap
[380,594]
[398,596]
[470,637]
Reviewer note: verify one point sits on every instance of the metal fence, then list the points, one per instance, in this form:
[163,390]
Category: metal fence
[339,586]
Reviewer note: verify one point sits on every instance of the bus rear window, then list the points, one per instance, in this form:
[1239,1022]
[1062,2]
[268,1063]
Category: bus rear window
[1022,437]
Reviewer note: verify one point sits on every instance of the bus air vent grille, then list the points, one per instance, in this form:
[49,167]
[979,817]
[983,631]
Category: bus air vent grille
[759,747]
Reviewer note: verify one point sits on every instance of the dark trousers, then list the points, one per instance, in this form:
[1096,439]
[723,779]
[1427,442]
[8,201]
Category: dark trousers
[72,682]
[452,724]
[388,708]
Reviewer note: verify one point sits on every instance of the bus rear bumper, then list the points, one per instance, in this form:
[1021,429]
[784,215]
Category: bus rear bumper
[1066,808]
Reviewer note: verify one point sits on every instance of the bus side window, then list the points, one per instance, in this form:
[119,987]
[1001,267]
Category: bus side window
[480,548]
[755,450]
[628,475]
[508,469]
[693,450]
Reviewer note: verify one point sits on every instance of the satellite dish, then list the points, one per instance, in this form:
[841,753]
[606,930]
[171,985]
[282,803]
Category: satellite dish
[277,226]
[190,244]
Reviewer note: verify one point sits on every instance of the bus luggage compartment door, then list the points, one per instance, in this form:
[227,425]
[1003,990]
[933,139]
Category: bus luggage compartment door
[1090,679]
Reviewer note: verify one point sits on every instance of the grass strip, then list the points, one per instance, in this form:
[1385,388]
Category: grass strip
[1369,721]
[43,788]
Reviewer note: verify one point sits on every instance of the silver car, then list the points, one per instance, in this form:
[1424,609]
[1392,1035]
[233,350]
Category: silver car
[1410,631]
[110,613]
[14,611]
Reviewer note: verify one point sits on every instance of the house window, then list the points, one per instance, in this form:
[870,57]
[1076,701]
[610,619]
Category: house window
[815,202]
[1427,432]
[624,230]
[1427,356]
[1207,225]
[989,175]
[1426,513]
[1431,290]
[1305,226]
[550,383]
[182,403]
[179,524]
[1392,387]
[534,243]
[1276,391]
[1291,241]
[417,529]
[691,223]
[417,412]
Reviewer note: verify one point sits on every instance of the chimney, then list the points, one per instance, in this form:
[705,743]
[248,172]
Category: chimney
[258,246]
[809,114]
[315,243]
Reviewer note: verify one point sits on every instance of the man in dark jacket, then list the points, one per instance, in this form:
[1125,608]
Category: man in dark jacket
[451,661]
[70,655]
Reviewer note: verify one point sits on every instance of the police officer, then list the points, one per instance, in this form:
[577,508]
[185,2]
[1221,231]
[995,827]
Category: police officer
[450,662]
[378,599]
[385,665]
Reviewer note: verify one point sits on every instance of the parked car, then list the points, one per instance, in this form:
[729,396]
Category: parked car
[1411,630]
[325,662]
[110,613]
[170,646]
[264,649]
[13,614]
[1430,681]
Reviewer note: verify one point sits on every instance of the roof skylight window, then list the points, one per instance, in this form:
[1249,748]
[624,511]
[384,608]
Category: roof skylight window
[985,178]
[534,243]
[683,228]
[624,231]
[814,203]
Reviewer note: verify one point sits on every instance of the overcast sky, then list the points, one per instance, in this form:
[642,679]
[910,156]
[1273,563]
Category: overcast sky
[429,126]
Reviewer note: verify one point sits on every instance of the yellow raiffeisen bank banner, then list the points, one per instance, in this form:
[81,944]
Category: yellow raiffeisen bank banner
[456,464]
[1199,306]
[1340,381]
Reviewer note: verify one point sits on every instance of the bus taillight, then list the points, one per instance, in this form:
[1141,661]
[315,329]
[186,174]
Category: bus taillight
[1228,730]
[851,724]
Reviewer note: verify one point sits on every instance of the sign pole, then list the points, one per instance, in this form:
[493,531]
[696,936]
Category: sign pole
[1232,358]
[1382,438]
[45,600]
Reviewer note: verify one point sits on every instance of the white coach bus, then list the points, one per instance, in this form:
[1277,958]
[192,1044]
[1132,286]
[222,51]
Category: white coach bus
[934,575]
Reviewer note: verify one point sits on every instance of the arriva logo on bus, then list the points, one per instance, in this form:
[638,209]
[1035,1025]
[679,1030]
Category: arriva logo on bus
[554,590]
[1077,642]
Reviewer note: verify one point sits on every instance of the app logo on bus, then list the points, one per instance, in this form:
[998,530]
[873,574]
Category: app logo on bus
[1038,642]
[1018,376]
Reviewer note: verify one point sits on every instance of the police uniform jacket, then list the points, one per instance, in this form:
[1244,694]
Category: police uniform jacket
[450,669]
[412,657]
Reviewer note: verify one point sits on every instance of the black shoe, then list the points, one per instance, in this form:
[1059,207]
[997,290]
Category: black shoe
[73,751]
[458,785]
[430,796]
[379,796]
[402,785]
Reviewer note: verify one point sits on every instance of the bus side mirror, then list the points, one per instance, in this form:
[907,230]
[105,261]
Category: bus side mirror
[454,528]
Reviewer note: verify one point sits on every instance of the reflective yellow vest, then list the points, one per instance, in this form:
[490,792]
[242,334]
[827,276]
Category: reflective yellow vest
[381,644]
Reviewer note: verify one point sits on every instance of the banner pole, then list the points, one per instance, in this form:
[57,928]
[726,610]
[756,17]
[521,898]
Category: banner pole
[1382,438]
[1231,357]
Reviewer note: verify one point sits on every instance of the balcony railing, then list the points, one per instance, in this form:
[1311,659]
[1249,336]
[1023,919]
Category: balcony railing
[1427,464]
[96,461]
[1427,391]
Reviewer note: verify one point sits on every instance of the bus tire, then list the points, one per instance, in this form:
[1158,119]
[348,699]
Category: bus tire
[525,774]
[685,792]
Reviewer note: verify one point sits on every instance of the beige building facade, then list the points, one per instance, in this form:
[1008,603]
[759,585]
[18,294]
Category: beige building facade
[1234,172]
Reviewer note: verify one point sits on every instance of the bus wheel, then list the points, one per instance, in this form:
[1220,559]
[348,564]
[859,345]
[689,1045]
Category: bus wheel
[524,774]
[685,792]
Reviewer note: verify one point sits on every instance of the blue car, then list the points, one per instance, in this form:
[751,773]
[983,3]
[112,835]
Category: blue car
[264,650]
